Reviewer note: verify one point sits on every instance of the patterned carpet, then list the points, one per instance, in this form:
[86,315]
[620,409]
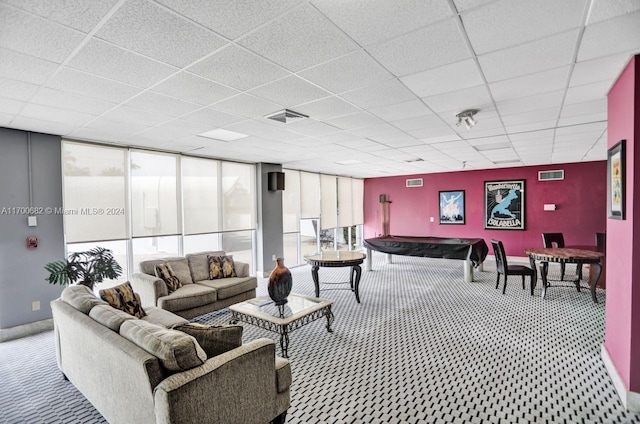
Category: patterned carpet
[422,347]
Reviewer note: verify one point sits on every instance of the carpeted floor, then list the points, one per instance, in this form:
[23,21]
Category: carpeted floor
[422,347]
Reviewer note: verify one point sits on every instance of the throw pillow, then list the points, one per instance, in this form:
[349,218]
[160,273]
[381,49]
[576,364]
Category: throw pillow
[176,350]
[221,267]
[165,271]
[122,297]
[214,340]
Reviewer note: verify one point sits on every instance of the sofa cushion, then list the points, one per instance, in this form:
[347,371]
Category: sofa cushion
[122,297]
[199,264]
[188,297]
[214,340]
[166,273]
[109,317]
[81,297]
[181,269]
[162,317]
[229,287]
[221,267]
[176,350]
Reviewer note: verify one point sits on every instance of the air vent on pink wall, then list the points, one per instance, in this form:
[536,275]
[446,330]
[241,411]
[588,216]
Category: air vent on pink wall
[551,175]
[415,182]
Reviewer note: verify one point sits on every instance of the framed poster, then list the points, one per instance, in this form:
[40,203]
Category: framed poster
[615,180]
[451,207]
[504,205]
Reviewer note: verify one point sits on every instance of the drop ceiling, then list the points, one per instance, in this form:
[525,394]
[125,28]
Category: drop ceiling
[380,80]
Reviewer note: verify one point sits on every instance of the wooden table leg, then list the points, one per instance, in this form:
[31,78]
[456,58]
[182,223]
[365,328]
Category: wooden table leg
[597,270]
[544,269]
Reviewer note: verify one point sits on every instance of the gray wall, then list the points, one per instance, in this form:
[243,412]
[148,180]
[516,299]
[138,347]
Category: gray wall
[269,237]
[22,274]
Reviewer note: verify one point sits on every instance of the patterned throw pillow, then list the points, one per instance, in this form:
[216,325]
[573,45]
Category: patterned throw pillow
[214,340]
[169,277]
[221,267]
[122,297]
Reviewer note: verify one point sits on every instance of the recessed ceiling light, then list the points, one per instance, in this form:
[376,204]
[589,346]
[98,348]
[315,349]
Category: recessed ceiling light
[348,162]
[224,135]
[492,146]
[504,162]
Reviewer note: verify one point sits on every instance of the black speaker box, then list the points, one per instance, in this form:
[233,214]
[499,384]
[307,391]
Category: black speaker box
[276,181]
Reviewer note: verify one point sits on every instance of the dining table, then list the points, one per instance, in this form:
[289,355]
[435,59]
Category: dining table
[568,255]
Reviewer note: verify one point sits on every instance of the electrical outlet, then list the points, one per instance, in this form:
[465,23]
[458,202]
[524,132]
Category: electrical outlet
[35,306]
[431,219]
[273,257]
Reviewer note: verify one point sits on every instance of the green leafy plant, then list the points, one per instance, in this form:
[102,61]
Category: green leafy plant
[87,268]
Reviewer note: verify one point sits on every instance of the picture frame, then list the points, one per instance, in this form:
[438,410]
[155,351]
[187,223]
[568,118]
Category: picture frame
[452,207]
[616,175]
[504,205]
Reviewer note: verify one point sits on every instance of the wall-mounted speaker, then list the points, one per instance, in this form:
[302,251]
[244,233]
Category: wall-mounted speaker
[276,181]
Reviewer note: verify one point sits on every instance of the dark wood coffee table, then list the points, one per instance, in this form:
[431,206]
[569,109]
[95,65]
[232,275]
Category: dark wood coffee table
[335,259]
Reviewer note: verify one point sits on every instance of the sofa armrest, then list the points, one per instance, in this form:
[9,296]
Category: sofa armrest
[242,269]
[283,374]
[149,287]
[238,386]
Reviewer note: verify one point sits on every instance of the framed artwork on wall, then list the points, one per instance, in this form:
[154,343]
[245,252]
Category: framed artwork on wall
[615,180]
[451,207]
[504,206]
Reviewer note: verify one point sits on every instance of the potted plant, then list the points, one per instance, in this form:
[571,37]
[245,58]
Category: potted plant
[87,268]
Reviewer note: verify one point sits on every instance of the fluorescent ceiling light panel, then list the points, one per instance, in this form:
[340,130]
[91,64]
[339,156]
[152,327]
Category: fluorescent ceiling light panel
[223,135]
[492,146]
[348,162]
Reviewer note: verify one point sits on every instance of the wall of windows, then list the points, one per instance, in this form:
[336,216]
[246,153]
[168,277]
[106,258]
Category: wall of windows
[146,205]
[320,212]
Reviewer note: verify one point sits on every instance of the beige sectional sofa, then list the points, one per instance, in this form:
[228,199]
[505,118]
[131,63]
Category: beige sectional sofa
[106,354]
[198,294]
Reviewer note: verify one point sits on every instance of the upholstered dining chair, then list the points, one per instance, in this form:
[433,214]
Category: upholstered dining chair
[557,240]
[505,269]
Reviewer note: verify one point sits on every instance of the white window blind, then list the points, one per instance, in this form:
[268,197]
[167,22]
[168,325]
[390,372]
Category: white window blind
[200,195]
[357,192]
[329,202]
[291,202]
[154,200]
[238,196]
[94,193]
[309,195]
[345,202]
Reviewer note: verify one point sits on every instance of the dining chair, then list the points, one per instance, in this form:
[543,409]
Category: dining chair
[505,269]
[557,240]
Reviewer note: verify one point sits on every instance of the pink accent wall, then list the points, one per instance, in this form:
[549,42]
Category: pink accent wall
[580,199]
[622,331]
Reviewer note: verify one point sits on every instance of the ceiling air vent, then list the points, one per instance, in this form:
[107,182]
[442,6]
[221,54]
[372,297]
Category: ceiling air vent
[287,116]
[558,174]
[415,182]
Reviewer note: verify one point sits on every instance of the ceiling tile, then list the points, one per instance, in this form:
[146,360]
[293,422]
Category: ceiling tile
[354,120]
[533,136]
[535,102]
[426,121]
[435,132]
[47,113]
[447,78]
[102,135]
[190,87]
[263,130]
[363,143]
[158,103]
[397,111]
[329,107]
[42,126]
[369,21]
[582,119]
[386,93]
[430,47]
[247,106]
[11,106]
[92,86]
[348,72]
[230,18]
[470,98]
[536,126]
[125,114]
[540,55]
[25,33]
[311,128]
[529,85]
[103,59]
[212,117]
[531,117]
[17,90]
[337,137]
[616,35]
[82,15]
[604,68]
[224,67]
[21,67]
[375,130]
[507,23]
[146,28]
[289,91]
[588,92]
[71,101]
[299,39]
[585,108]
[121,127]
[602,10]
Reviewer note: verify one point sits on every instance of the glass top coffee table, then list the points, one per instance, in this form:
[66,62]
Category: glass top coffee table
[297,312]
